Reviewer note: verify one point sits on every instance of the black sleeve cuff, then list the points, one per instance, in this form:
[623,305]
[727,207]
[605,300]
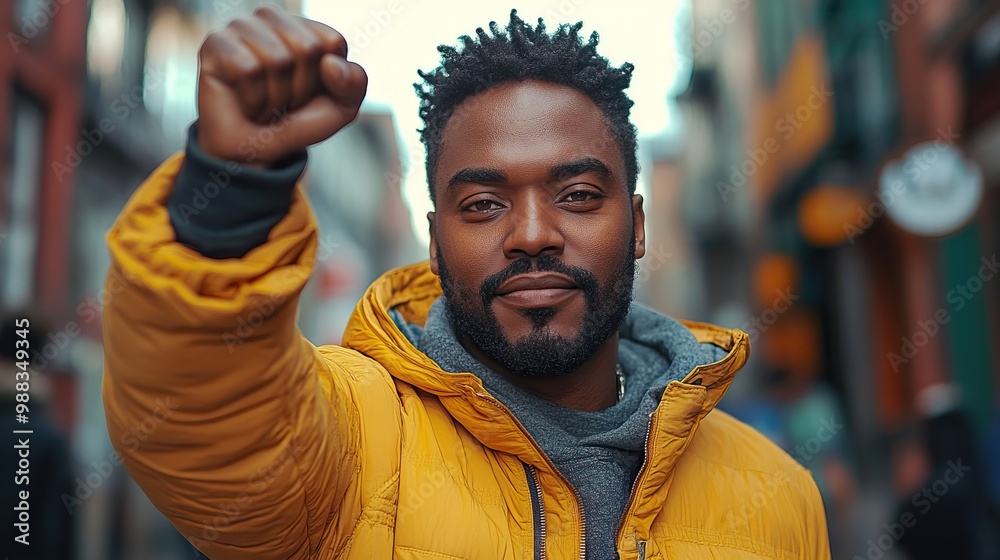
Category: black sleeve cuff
[223,209]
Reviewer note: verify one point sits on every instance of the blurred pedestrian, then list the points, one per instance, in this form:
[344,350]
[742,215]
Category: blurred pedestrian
[944,515]
[48,475]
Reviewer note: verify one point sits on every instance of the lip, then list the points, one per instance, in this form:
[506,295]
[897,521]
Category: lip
[544,281]
[537,290]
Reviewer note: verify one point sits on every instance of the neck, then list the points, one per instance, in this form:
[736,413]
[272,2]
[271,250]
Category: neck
[591,387]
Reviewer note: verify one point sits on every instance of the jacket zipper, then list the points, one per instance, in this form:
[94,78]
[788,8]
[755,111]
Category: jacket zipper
[539,512]
[579,503]
[640,545]
[583,524]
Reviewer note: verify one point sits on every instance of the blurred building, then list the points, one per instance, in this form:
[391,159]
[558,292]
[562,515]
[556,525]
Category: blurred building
[841,174]
[669,274]
[41,106]
[795,113]
[364,224]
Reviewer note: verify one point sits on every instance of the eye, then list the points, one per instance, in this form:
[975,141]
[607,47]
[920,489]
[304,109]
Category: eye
[579,196]
[484,206]
[583,196]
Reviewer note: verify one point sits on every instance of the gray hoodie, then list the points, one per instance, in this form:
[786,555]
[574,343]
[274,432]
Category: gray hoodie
[600,453]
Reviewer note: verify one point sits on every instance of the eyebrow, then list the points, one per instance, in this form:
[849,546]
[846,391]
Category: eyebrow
[579,167]
[477,175]
[558,172]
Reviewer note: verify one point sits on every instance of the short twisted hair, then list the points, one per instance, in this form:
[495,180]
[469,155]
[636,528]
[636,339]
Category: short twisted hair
[525,53]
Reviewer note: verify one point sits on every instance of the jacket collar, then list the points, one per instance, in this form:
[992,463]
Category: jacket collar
[412,289]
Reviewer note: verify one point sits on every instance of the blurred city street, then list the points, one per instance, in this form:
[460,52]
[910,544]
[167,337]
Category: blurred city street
[822,174]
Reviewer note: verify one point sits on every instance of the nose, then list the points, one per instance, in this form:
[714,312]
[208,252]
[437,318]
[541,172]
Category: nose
[534,229]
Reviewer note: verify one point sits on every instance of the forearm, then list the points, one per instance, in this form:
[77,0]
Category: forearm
[208,382]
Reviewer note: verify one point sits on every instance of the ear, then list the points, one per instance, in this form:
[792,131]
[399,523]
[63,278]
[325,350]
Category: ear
[433,243]
[639,218]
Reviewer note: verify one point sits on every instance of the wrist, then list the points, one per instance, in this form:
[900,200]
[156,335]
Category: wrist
[224,208]
[252,153]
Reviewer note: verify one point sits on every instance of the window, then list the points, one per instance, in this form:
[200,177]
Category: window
[20,224]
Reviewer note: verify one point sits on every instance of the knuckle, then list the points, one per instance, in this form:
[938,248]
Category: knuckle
[249,67]
[213,46]
[225,53]
[266,10]
[213,39]
[331,38]
[208,45]
[239,23]
[306,47]
[338,40]
[335,35]
[280,62]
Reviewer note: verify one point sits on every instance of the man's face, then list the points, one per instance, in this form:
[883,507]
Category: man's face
[534,235]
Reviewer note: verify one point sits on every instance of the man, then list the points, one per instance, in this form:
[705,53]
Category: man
[530,412]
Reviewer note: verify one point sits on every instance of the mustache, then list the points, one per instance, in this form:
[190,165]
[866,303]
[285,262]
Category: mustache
[545,263]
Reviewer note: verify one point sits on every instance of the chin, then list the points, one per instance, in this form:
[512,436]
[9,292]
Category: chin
[519,323]
[562,317]
[552,330]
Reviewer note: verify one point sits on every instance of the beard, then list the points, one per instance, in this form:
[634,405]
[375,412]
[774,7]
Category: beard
[541,353]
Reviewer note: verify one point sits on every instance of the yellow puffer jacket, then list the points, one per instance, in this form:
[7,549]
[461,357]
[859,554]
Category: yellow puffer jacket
[256,444]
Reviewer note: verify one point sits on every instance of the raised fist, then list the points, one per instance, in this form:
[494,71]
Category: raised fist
[271,84]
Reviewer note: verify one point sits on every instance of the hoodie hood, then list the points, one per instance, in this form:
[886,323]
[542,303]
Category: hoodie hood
[410,291]
[715,355]
[653,350]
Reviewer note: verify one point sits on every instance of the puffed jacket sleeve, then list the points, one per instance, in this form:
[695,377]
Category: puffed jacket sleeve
[237,428]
